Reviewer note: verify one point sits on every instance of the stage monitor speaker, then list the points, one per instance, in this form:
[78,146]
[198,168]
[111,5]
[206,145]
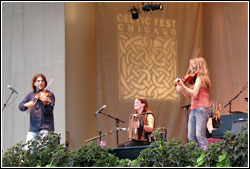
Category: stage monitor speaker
[237,125]
[227,122]
[128,152]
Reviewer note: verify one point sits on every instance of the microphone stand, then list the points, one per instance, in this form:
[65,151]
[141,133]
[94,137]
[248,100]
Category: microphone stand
[100,136]
[4,105]
[186,107]
[230,102]
[117,120]
[186,110]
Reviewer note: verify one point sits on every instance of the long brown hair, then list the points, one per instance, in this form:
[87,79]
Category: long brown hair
[199,65]
[216,109]
[36,77]
[144,101]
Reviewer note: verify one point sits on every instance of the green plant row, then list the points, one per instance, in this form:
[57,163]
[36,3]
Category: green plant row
[48,152]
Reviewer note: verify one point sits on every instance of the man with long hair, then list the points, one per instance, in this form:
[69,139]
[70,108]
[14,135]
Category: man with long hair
[40,103]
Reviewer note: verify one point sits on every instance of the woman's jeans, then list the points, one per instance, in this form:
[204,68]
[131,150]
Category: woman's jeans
[197,125]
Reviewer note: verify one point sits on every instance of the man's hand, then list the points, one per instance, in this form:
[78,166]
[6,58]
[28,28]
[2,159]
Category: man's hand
[29,104]
[45,99]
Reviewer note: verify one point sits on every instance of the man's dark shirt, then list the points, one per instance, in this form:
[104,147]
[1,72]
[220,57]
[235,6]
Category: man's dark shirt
[41,117]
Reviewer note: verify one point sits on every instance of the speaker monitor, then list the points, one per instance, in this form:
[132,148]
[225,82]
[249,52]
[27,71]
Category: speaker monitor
[227,123]
[237,125]
[128,152]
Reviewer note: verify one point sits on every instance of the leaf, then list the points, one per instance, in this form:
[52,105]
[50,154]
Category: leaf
[222,157]
[201,157]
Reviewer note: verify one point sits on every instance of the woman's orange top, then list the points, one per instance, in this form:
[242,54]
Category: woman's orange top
[201,100]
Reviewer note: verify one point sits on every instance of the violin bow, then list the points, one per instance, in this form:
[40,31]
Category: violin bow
[196,52]
[50,81]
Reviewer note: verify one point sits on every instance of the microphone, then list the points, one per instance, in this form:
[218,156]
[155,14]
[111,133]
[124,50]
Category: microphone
[103,107]
[152,7]
[119,128]
[9,87]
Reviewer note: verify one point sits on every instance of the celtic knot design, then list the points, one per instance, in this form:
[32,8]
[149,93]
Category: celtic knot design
[147,66]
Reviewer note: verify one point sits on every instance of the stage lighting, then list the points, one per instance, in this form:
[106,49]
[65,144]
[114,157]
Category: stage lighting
[146,8]
[152,7]
[135,12]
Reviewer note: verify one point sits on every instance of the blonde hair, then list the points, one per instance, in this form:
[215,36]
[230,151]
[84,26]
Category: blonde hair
[216,109]
[198,65]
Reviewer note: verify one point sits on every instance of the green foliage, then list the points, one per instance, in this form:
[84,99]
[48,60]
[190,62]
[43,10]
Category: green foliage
[169,153]
[236,147]
[210,157]
[231,152]
[94,155]
[14,156]
[47,152]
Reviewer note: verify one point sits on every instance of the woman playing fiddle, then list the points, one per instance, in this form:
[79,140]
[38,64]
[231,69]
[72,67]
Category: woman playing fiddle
[198,93]
[41,104]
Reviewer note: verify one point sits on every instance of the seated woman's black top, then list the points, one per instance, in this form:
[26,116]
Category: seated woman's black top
[215,123]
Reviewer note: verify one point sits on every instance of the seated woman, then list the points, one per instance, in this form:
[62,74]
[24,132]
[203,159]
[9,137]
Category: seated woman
[141,124]
[214,122]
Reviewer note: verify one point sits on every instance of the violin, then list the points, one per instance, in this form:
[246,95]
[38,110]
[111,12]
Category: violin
[42,94]
[189,78]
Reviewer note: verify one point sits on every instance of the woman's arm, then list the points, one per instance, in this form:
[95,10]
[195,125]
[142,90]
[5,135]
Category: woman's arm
[210,125]
[150,126]
[191,92]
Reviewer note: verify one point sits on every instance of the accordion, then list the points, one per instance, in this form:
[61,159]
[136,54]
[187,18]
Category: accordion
[134,133]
